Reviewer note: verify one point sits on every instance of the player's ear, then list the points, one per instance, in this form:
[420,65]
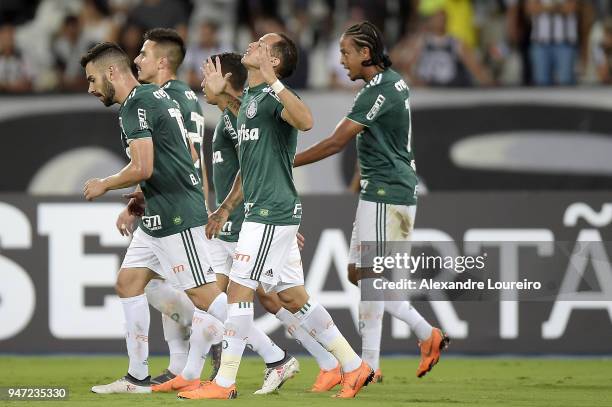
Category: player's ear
[365,53]
[162,63]
[111,71]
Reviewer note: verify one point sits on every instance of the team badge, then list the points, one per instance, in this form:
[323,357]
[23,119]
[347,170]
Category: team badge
[251,109]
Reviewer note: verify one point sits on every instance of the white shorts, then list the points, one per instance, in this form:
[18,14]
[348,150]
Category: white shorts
[222,255]
[269,255]
[379,223]
[182,259]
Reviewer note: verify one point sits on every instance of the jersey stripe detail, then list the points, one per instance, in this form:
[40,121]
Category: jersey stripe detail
[189,258]
[199,270]
[261,244]
[264,256]
[264,248]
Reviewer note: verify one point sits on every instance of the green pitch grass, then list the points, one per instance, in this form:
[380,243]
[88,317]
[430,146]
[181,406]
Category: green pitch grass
[454,382]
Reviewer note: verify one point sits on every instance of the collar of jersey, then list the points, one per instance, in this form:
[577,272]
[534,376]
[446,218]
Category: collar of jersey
[130,95]
[258,87]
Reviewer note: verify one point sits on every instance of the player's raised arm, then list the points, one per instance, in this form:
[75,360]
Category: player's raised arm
[344,132]
[218,83]
[140,168]
[295,111]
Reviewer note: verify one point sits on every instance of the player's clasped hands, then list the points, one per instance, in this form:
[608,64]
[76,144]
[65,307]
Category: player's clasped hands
[93,189]
[213,76]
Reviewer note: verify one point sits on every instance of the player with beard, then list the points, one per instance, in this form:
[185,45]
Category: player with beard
[158,61]
[170,240]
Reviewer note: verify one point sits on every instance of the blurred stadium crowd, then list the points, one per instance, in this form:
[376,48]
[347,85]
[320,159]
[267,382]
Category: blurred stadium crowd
[458,43]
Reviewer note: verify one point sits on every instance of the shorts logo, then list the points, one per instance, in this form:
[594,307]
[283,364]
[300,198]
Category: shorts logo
[251,109]
[242,257]
[210,271]
[269,273]
[178,269]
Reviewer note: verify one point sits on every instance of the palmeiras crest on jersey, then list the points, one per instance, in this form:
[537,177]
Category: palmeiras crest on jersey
[251,109]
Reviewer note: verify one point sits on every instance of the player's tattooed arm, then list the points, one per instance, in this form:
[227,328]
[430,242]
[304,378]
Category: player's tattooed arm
[344,132]
[219,217]
[140,168]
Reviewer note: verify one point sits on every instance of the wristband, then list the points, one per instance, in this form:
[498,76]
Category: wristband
[277,86]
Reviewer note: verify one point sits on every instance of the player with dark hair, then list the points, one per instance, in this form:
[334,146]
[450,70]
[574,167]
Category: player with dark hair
[380,119]
[225,167]
[157,62]
[170,240]
[267,252]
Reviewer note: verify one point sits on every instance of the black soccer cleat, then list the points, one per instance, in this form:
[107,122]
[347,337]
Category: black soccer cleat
[163,377]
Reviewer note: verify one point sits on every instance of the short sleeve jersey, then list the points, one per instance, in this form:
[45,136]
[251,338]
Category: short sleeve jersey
[173,194]
[386,158]
[266,152]
[225,166]
[190,108]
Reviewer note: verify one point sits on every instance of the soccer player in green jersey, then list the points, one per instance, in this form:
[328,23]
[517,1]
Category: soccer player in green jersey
[170,240]
[158,61]
[267,252]
[225,167]
[380,119]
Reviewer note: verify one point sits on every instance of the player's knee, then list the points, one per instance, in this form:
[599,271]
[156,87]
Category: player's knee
[222,282]
[353,274]
[270,302]
[293,302]
[129,284]
[203,296]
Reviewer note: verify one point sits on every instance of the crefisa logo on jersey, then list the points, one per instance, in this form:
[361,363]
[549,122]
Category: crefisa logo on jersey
[251,109]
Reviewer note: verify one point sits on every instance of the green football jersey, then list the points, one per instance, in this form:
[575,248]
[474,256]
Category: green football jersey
[190,108]
[266,151]
[225,166]
[173,194]
[386,159]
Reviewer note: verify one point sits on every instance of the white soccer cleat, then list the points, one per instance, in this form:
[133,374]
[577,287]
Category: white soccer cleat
[122,385]
[274,377]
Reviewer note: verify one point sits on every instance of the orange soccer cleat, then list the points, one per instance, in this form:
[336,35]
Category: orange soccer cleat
[327,380]
[210,390]
[430,351]
[353,381]
[177,384]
